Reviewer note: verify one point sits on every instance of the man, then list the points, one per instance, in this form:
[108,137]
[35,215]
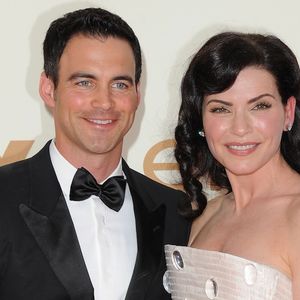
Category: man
[58,240]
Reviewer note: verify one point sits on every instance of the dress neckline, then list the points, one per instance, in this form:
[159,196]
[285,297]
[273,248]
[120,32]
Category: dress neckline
[231,256]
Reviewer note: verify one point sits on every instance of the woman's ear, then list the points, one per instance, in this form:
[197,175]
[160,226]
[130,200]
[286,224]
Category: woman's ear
[290,113]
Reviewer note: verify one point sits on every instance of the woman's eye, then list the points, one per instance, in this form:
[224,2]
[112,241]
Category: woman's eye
[262,105]
[219,110]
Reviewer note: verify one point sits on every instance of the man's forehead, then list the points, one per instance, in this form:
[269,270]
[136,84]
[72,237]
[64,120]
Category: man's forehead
[112,57]
[103,39]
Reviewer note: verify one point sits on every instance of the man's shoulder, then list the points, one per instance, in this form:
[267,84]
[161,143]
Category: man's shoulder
[149,183]
[14,168]
[21,168]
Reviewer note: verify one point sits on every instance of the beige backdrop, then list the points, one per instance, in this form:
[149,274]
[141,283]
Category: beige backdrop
[169,31]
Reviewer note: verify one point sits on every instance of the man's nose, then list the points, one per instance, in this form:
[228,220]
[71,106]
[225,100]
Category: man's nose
[102,98]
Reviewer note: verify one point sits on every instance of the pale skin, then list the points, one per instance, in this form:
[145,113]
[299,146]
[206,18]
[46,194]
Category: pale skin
[260,219]
[94,102]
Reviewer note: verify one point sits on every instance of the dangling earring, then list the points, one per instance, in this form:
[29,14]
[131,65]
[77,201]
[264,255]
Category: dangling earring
[201,133]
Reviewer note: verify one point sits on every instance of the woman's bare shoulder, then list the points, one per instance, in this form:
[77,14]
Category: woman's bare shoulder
[293,239]
[293,213]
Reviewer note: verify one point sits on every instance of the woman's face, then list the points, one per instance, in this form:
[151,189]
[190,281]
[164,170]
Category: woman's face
[243,125]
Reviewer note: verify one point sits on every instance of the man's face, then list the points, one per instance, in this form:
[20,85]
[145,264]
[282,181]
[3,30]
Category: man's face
[96,97]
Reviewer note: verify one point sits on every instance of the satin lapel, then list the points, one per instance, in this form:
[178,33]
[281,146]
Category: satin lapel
[150,229]
[49,221]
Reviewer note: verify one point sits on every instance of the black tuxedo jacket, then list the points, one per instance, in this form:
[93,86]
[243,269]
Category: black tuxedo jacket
[40,257]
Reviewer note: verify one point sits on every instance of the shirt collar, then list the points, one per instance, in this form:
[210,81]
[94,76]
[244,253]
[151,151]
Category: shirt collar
[65,171]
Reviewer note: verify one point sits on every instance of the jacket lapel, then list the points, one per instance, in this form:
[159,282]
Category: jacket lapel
[150,218]
[49,221]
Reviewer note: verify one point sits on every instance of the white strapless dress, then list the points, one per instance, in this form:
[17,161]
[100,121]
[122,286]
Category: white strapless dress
[195,274]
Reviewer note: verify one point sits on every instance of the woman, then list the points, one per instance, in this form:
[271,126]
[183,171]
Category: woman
[239,128]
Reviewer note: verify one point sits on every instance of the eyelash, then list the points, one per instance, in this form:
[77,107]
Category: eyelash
[87,83]
[120,85]
[259,106]
[218,110]
[262,105]
[83,83]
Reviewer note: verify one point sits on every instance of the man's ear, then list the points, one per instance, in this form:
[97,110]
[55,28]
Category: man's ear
[46,89]
[290,112]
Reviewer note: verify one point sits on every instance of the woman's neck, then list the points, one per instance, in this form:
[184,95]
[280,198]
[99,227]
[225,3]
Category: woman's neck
[269,181]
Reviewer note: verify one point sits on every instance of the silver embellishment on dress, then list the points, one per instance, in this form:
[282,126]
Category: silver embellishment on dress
[211,288]
[177,260]
[166,282]
[250,274]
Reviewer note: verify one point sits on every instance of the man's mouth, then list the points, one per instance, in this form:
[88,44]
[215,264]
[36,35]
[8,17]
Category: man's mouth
[100,122]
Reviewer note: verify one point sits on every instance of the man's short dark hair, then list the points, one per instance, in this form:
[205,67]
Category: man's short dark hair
[92,22]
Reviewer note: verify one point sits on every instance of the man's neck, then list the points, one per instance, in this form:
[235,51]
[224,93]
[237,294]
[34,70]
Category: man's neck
[100,166]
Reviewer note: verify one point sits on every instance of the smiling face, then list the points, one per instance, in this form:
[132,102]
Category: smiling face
[96,97]
[244,124]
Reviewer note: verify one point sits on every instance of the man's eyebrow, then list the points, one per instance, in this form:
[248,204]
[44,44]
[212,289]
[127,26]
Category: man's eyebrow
[81,75]
[124,77]
[91,76]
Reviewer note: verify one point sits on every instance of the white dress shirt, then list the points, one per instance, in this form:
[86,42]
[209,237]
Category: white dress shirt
[107,238]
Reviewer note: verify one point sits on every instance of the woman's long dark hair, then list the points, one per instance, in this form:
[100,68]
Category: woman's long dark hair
[214,69]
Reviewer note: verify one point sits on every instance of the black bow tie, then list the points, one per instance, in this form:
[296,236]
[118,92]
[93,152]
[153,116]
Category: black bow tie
[111,192]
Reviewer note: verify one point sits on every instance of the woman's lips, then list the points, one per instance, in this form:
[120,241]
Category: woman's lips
[242,149]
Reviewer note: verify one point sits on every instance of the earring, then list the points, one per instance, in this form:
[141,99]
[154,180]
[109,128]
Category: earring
[289,127]
[201,133]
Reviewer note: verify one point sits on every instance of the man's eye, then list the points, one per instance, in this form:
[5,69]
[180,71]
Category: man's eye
[219,110]
[119,85]
[84,83]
